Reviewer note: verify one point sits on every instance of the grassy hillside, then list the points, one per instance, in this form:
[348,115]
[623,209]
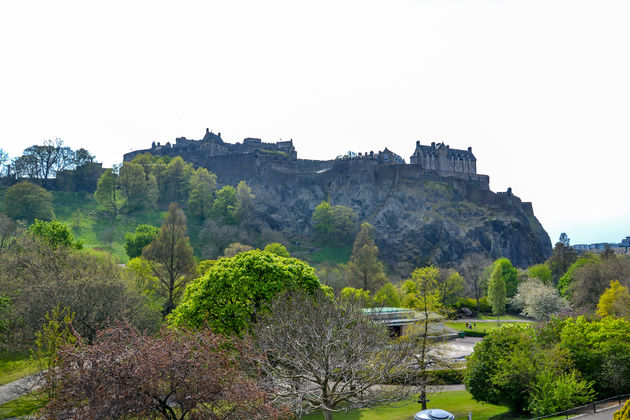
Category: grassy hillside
[95,227]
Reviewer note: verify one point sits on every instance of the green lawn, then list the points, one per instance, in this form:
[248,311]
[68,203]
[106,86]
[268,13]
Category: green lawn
[457,402]
[506,317]
[333,254]
[481,326]
[15,366]
[23,406]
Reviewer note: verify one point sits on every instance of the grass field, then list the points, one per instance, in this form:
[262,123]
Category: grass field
[457,402]
[94,227]
[481,326]
[23,406]
[333,254]
[15,366]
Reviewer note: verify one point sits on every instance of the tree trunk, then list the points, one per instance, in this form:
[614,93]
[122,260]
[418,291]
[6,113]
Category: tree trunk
[328,415]
[423,397]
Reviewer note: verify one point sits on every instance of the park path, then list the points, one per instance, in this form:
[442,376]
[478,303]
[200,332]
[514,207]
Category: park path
[18,388]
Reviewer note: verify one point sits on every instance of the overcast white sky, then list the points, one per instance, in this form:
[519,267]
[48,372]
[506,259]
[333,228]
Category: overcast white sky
[539,89]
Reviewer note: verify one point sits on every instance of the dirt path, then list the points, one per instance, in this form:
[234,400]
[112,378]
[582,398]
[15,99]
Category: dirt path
[18,388]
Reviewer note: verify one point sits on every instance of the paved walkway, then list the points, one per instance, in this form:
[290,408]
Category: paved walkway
[603,414]
[18,388]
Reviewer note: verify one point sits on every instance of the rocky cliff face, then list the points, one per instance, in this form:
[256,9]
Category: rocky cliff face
[416,214]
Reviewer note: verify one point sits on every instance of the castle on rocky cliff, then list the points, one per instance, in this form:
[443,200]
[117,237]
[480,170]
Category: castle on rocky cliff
[438,157]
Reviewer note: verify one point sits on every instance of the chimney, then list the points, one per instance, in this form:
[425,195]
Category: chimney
[470,149]
[433,144]
[418,143]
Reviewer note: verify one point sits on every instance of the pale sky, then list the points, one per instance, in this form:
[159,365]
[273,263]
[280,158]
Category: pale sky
[539,89]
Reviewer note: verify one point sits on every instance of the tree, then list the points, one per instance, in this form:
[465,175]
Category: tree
[473,268]
[89,283]
[46,160]
[175,375]
[365,271]
[235,249]
[327,354]
[541,272]
[245,201]
[225,207]
[82,157]
[7,231]
[451,285]
[216,236]
[562,256]
[28,201]
[334,224]
[133,183]
[4,158]
[334,276]
[512,367]
[538,300]
[509,275]
[278,249]
[176,181]
[388,295]
[428,300]
[592,278]
[54,234]
[202,185]
[170,257]
[141,237]
[497,291]
[236,291]
[615,301]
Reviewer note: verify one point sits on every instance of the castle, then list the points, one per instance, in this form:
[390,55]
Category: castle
[438,157]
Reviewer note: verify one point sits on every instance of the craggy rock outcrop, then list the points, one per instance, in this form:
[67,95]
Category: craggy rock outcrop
[416,214]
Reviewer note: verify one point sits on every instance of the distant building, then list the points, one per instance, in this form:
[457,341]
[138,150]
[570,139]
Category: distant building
[620,248]
[441,157]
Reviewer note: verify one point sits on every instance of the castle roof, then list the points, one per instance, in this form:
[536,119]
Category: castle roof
[435,148]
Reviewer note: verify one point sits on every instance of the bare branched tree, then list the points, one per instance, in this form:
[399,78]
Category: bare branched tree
[327,354]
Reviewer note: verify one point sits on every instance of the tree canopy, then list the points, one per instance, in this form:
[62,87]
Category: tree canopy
[28,201]
[236,291]
[365,271]
[141,237]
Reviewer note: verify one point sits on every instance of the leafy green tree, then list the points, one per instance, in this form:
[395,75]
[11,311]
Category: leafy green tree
[360,296]
[106,189]
[615,301]
[236,291]
[28,201]
[388,295]
[334,224]
[566,281]
[427,300]
[278,249]
[225,207]
[245,201]
[170,257]
[177,177]
[541,272]
[365,271]
[202,185]
[497,291]
[509,275]
[323,220]
[133,183]
[451,285]
[56,333]
[600,350]
[54,234]
[141,237]
[513,367]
